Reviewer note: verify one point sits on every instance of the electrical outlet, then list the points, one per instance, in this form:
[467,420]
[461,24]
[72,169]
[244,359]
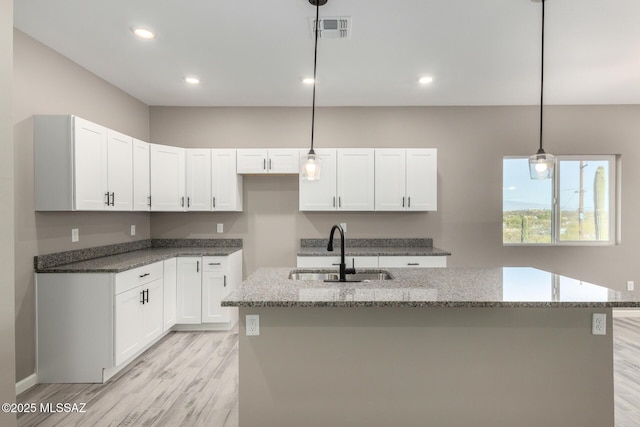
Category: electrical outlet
[599,324]
[75,235]
[133,230]
[253,324]
[220,228]
[630,285]
[344,226]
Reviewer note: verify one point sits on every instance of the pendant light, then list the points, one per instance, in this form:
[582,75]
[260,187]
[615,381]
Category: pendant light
[541,164]
[311,162]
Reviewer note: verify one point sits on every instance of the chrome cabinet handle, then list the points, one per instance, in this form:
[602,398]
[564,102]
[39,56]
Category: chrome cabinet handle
[143,275]
[188,202]
[214,263]
[339,201]
[182,201]
[334,201]
[197,266]
[409,202]
[149,201]
[142,297]
[214,202]
[225,280]
[269,164]
[264,164]
[107,202]
[113,199]
[413,263]
[403,202]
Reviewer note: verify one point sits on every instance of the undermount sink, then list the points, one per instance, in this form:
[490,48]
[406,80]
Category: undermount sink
[330,276]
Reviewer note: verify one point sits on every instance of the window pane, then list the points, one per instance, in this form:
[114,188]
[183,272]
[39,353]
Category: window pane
[584,200]
[526,204]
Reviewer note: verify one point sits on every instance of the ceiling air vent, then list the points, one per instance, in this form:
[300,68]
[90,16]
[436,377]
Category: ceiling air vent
[332,27]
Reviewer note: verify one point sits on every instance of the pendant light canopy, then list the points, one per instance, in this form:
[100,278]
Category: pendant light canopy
[541,164]
[311,162]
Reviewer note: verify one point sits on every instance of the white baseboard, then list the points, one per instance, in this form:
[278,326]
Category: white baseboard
[626,312]
[26,384]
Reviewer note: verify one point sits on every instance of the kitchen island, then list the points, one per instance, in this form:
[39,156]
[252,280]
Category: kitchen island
[438,347]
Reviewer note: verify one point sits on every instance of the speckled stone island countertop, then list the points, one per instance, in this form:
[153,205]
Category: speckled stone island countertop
[428,287]
[125,256]
[373,247]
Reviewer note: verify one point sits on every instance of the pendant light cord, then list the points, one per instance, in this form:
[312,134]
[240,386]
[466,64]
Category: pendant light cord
[541,77]
[315,61]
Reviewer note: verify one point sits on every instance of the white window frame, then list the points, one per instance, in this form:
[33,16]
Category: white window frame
[614,182]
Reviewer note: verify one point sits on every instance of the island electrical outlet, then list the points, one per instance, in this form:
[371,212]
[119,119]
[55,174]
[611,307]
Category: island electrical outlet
[253,325]
[599,324]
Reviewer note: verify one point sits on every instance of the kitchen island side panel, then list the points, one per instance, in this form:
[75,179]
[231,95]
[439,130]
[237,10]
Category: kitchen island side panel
[426,366]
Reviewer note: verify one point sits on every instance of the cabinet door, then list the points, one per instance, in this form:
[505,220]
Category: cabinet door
[198,180]
[214,288]
[320,194]
[251,161]
[120,171]
[284,160]
[128,323]
[422,179]
[189,298]
[167,178]
[356,179]
[141,187]
[390,179]
[152,316]
[90,165]
[169,293]
[226,184]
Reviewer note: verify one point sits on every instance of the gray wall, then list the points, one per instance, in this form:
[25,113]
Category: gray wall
[471,142]
[47,83]
[7,320]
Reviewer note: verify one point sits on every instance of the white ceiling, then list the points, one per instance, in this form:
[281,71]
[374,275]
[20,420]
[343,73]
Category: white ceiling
[254,52]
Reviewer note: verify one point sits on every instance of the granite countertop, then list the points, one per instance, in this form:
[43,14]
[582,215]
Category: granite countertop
[431,287]
[119,258]
[373,247]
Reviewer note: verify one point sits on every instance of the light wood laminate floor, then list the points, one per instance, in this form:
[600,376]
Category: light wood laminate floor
[191,379]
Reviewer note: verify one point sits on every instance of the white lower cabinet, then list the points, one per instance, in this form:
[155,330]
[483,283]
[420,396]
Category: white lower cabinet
[138,310]
[202,284]
[189,291]
[372,261]
[170,280]
[334,261]
[412,261]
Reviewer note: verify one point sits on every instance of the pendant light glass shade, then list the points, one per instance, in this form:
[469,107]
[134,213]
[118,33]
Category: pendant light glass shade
[311,164]
[541,165]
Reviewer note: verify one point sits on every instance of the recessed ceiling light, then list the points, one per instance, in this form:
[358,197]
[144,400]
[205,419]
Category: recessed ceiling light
[192,80]
[425,80]
[143,33]
[308,80]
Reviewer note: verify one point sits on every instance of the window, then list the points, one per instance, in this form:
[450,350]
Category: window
[576,207]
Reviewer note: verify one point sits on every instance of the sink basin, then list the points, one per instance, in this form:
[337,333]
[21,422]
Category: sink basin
[332,276]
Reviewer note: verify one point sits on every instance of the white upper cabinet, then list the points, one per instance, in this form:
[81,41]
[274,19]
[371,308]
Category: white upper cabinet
[119,171]
[141,186]
[422,179]
[167,178]
[90,165]
[406,179]
[226,184]
[320,194]
[80,165]
[356,179]
[261,161]
[198,179]
[390,181]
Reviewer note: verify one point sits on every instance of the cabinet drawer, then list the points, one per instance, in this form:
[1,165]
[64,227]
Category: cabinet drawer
[412,261]
[214,263]
[333,261]
[138,276]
